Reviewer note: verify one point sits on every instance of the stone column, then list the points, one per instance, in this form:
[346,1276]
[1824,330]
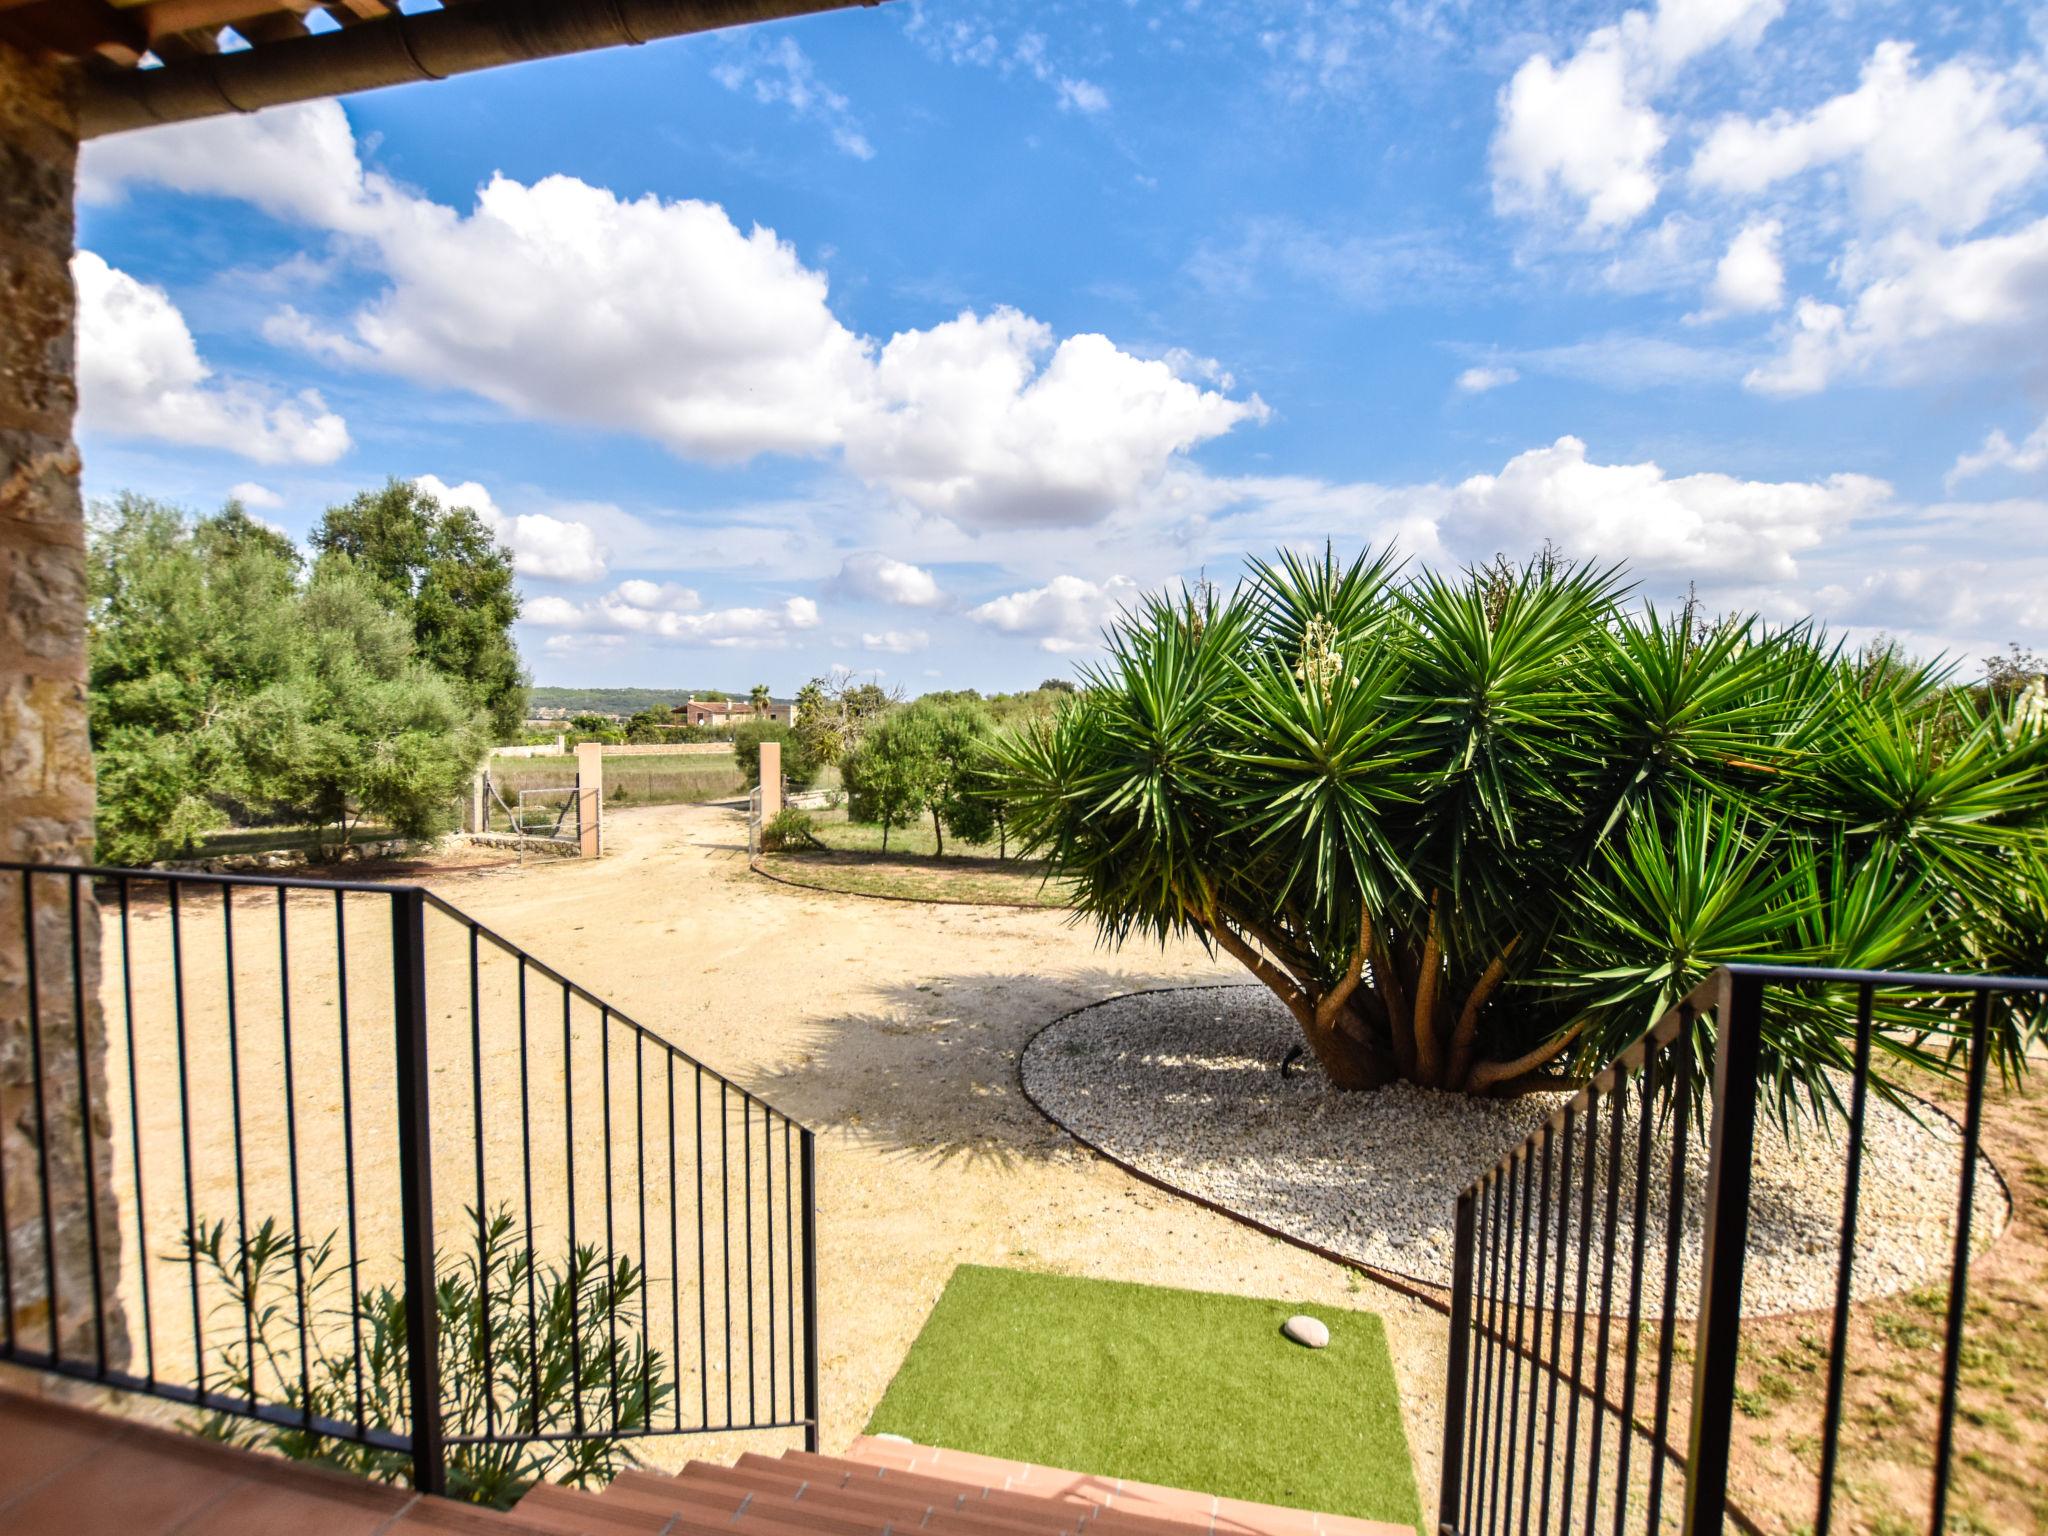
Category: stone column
[590,796]
[46,784]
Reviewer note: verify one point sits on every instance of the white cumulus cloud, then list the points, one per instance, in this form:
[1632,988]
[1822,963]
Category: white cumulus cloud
[541,545]
[1065,615]
[896,642]
[666,611]
[1750,277]
[250,494]
[562,301]
[1919,309]
[994,425]
[2027,457]
[1486,376]
[1940,145]
[882,579]
[1584,133]
[1709,523]
[140,375]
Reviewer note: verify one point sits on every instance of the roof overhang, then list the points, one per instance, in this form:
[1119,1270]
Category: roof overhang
[146,62]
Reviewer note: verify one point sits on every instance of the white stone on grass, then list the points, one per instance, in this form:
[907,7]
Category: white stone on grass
[1185,1085]
[1303,1329]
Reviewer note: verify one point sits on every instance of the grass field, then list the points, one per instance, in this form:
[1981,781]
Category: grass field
[628,780]
[911,868]
[1187,1388]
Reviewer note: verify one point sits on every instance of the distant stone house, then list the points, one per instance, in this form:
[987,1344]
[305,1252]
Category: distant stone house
[727,713]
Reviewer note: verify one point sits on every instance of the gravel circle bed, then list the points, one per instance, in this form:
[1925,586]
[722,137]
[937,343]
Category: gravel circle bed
[1185,1086]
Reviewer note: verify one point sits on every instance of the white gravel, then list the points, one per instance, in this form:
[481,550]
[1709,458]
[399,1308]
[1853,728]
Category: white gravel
[1185,1086]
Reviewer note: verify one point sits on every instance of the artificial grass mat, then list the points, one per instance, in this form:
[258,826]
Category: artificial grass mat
[1185,1388]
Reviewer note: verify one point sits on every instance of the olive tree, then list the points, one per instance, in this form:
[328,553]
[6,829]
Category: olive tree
[1477,830]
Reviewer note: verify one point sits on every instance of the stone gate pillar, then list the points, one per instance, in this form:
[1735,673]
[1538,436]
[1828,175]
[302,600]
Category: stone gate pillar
[590,797]
[46,783]
[771,780]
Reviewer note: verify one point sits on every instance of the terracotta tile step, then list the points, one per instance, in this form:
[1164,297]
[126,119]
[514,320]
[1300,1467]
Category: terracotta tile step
[927,1500]
[1069,1490]
[1120,1496]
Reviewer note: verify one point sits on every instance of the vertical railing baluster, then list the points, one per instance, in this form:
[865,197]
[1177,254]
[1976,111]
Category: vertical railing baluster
[577,1268]
[1571,1415]
[1959,1268]
[747,1205]
[1564,1211]
[142,1253]
[90,1170]
[640,1182]
[192,1235]
[245,1268]
[789,1254]
[1731,1146]
[526,1196]
[768,1221]
[31,970]
[416,1187]
[1514,1392]
[1457,1365]
[1674,1241]
[1517,1195]
[291,1153]
[812,1416]
[1536,1333]
[675,1270]
[488,1387]
[1631,1352]
[703,1284]
[1475,1397]
[611,1263]
[1618,1098]
[348,1157]
[726,1240]
[725,1232]
[1489,1309]
[1845,1264]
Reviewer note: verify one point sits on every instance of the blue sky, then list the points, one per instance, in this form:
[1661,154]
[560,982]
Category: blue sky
[914,340]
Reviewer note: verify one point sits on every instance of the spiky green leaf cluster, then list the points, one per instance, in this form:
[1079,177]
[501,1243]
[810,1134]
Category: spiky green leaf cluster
[1617,798]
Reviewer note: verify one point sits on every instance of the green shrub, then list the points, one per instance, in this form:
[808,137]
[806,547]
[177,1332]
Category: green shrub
[799,768]
[1469,826]
[789,828]
[584,1310]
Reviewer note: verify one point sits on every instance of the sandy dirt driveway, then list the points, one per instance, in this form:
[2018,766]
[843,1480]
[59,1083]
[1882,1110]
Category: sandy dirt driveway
[894,1030]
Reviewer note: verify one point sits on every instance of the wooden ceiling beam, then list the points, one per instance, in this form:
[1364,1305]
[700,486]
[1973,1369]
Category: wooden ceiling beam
[430,45]
[75,29]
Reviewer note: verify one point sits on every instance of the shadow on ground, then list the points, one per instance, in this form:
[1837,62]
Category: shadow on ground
[930,1072]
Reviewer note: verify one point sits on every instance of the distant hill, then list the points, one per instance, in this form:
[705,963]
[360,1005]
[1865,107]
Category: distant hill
[610,701]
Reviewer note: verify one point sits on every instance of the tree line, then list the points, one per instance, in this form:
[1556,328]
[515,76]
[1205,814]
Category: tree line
[233,681]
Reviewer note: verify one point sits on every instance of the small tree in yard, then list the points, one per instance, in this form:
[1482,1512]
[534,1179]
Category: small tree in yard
[885,777]
[1477,830]
[918,762]
[798,767]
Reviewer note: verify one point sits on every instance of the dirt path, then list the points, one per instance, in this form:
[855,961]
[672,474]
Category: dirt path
[892,1029]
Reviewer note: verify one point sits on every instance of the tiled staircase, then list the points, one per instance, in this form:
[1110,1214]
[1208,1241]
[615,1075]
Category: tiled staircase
[889,1488]
[65,1469]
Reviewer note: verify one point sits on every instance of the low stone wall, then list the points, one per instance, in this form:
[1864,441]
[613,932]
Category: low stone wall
[671,749]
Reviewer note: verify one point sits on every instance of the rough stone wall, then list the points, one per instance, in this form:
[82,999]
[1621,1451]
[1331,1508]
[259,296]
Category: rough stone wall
[46,784]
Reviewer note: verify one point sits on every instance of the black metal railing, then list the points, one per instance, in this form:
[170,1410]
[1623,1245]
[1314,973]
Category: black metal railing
[334,1158]
[1599,1268]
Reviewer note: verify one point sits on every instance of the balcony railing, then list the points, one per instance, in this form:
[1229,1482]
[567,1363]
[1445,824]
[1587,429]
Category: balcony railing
[1574,1306]
[334,1159]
